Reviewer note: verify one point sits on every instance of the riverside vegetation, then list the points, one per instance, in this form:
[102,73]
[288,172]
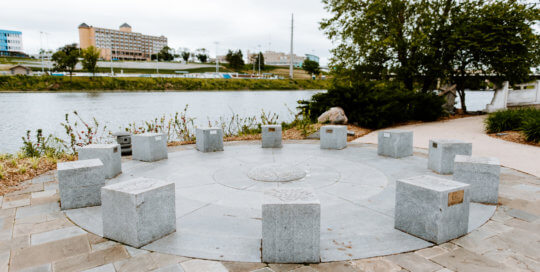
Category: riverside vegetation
[55,83]
[526,121]
[40,153]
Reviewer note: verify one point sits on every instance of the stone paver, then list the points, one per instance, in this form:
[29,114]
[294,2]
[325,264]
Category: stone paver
[35,236]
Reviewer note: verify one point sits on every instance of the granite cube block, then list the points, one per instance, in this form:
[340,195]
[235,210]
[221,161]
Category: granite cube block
[209,139]
[109,154]
[442,153]
[432,208]
[395,143]
[80,182]
[482,173]
[333,137]
[138,211]
[271,136]
[291,222]
[149,147]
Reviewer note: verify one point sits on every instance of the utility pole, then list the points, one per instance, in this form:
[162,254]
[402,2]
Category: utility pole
[217,59]
[291,55]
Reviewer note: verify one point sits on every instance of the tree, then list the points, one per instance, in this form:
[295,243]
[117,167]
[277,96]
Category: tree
[90,57]
[202,55]
[256,59]
[311,67]
[235,59]
[185,55]
[66,58]
[421,42]
[164,54]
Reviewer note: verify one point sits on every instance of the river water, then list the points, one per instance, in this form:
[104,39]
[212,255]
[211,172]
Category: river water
[30,111]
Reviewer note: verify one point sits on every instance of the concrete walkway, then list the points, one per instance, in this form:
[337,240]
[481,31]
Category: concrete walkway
[525,158]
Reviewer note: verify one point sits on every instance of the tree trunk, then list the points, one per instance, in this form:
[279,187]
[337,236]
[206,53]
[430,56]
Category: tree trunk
[461,94]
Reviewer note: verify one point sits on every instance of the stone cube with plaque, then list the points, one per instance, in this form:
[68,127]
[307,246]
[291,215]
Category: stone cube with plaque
[80,182]
[432,208]
[209,139]
[271,136]
[395,143]
[109,154]
[333,137]
[149,147]
[442,153]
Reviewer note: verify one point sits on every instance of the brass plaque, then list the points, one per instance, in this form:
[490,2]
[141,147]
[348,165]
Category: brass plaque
[272,129]
[329,130]
[455,197]
[115,149]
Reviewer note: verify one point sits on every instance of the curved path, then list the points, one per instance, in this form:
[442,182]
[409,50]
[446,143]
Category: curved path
[525,158]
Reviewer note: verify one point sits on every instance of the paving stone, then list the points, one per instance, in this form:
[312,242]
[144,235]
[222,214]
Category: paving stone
[449,246]
[334,267]
[376,265]
[37,209]
[43,178]
[23,201]
[304,269]
[501,215]
[102,268]
[49,252]
[95,239]
[283,267]
[523,215]
[16,243]
[52,223]
[28,188]
[522,242]
[170,268]
[148,262]
[242,267]
[413,262]
[7,212]
[46,193]
[4,261]
[514,260]
[444,270]
[264,269]
[94,259]
[524,225]
[464,260]
[39,218]
[133,252]
[54,235]
[431,252]
[51,185]
[203,265]
[103,246]
[39,268]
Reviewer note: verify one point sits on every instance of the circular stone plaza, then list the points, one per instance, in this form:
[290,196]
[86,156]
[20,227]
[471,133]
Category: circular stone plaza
[357,206]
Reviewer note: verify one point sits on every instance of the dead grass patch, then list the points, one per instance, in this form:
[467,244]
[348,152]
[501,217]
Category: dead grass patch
[513,136]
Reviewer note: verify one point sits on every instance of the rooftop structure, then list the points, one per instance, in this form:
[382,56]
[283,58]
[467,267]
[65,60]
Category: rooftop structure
[121,44]
[277,58]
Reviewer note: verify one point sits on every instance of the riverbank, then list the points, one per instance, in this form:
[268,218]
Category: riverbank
[64,83]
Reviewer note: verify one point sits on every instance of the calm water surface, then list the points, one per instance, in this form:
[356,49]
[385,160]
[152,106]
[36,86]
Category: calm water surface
[22,111]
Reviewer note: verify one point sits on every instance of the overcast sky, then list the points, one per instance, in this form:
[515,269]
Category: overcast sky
[235,24]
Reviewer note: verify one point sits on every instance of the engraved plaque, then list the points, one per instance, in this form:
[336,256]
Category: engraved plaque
[158,138]
[455,197]
[213,132]
[386,135]
[272,129]
[115,149]
[329,130]
[434,145]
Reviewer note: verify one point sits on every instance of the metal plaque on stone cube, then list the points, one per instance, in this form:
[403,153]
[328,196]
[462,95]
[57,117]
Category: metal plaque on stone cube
[333,137]
[109,154]
[395,143]
[482,173]
[149,147]
[209,139]
[271,136]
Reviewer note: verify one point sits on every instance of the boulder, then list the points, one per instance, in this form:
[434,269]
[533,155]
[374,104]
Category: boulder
[335,115]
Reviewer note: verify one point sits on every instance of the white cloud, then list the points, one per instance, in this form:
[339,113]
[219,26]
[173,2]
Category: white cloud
[236,24]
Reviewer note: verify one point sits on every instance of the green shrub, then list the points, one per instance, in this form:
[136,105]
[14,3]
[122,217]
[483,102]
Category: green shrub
[376,104]
[510,119]
[531,128]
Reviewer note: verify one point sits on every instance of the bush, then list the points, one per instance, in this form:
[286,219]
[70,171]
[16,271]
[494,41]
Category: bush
[531,128]
[510,119]
[376,104]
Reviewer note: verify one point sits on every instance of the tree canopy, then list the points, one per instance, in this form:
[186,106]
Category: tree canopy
[202,55]
[420,43]
[90,57]
[311,67]
[66,58]
[235,59]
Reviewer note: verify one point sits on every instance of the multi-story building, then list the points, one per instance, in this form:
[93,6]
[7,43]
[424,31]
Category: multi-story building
[278,58]
[120,44]
[11,43]
[312,57]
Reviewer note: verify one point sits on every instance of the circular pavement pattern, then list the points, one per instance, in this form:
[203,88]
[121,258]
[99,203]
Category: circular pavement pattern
[219,197]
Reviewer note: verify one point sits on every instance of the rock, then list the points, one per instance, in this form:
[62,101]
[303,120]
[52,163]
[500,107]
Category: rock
[335,115]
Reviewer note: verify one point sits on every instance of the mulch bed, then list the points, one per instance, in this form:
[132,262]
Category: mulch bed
[513,136]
